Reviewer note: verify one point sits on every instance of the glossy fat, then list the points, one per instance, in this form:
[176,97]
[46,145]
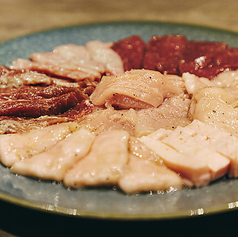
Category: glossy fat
[53,163]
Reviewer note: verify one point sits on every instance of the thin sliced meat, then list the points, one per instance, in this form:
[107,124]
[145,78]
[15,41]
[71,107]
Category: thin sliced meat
[15,147]
[39,107]
[105,162]
[54,163]
[102,52]
[19,125]
[75,62]
[146,175]
[138,89]
[14,78]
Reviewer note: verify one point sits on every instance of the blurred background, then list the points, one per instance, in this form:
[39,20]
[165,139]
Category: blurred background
[19,17]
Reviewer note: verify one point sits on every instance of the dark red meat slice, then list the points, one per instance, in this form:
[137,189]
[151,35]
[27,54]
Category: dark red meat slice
[38,107]
[164,53]
[204,59]
[131,50]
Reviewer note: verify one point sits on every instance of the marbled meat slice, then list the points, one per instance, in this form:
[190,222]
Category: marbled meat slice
[31,104]
[54,162]
[12,125]
[138,89]
[15,147]
[105,162]
[131,50]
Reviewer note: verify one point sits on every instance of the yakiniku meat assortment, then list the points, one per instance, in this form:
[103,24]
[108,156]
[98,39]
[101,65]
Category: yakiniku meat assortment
[141,116]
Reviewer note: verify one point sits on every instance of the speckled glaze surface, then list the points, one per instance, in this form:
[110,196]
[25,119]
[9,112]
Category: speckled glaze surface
[105,202]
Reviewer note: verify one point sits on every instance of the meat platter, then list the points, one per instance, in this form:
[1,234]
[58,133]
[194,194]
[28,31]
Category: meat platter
[101,201]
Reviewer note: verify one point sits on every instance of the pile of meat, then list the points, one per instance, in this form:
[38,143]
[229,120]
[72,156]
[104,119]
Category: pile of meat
[143,117]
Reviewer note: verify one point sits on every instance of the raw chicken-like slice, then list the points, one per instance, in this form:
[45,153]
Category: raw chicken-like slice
[53,163]
[102,52]
[213,138]
[105,162]
[138,89]
[145,174]
[217,163]
[192,169]
[15,147]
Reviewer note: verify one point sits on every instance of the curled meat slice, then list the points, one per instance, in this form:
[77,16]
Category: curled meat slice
[138,89]
[105,162]
[75,62]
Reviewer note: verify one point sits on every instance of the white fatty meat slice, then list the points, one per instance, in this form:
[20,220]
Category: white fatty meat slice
[217,163]
[105,162]
[53,163]
[191,169]
[138,89]
[102,52]
[146,175]
[15,147]
[214,138]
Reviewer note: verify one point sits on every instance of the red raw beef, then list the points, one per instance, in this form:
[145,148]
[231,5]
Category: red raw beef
[164,53]
[205,59]
[131,50]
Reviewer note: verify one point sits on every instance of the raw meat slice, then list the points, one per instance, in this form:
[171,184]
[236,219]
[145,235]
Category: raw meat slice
[213,138]
[102,53]
[164,53]
[54,162]
[131,50]
[146,175]
[217,163]
[138,89]
[16,78]
[105,162]
[15,147]
[75,62]
[192,169]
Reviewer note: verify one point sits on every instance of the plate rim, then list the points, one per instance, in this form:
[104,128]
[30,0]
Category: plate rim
[116,22]
[101,215]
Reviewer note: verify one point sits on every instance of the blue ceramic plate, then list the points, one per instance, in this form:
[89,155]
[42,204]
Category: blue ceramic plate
[104,202]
